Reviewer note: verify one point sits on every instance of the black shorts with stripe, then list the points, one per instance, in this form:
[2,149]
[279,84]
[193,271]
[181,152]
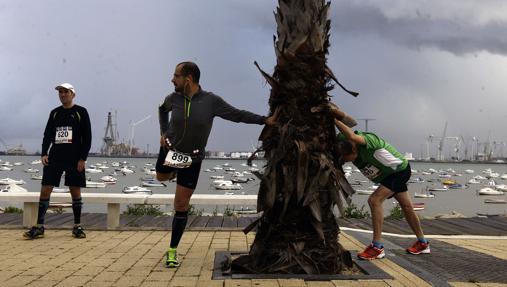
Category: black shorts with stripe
[186,177]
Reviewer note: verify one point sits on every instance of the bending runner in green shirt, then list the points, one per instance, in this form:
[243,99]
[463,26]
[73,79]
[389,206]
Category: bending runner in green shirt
[381,163]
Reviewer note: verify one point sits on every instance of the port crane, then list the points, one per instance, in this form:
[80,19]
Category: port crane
[132,131]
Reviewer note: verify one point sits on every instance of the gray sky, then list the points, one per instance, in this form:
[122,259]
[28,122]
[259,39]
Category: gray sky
[416,64]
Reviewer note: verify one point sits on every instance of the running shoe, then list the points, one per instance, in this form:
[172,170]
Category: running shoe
[34,232]
[172,258]
[78,232]
[371,252]
[419,248]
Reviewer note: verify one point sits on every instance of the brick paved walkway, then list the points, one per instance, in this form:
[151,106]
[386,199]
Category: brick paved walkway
[135,258]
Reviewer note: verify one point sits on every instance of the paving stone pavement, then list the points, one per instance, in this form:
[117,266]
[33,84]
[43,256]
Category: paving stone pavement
[135,258]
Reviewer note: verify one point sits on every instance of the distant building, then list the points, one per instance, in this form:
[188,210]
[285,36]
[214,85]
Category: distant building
[409,156]
[240,154]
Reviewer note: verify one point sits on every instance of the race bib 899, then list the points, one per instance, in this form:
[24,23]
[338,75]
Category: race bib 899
[177,159]
[63,135]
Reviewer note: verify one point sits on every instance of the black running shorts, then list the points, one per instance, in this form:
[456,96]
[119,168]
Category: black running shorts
[186,177]
[52,173]
[397,182]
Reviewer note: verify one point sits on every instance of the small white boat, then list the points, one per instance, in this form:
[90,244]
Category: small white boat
[226,164]
[418,206]
[149,171]
[443,188]
[496,201]
[479,177]
[7,181]
[36,177]
[229,193]
[152,184]
[115,164]
[239,179]
[468,171]
[95,184]
[18,163]
[93,169]
[109,179]
[31,170]
[12,188]
[136,189]
[424,195]
[490,191]
[416,180]
[126,170]
[5,168]
[473,181]
[37,161]
[444,175]
[209,170]
[227,185]
[501,187]
[217,168]
[504,176]
[217,177]
[365,191]
[493,175]
[229,170]
[60,190]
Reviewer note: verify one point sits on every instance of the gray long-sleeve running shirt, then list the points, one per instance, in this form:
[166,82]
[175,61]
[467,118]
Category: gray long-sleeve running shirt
[192,119]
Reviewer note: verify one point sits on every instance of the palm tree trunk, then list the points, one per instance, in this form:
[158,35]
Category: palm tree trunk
[298,232]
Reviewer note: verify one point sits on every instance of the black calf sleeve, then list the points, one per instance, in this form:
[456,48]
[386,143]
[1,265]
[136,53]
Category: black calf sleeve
[179,224]
[43,207]
[77,205]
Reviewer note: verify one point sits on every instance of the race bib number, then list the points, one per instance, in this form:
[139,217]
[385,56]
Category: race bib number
[63,135]
[370,171]
[177,159]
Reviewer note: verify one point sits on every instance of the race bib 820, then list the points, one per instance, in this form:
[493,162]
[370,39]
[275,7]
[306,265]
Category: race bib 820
[63,135]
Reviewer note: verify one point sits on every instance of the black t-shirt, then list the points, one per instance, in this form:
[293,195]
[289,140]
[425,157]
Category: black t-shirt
[68,135]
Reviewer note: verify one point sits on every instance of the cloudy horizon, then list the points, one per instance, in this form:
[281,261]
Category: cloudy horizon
[416,65]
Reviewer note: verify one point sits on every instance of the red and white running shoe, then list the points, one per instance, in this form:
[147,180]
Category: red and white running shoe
[419,248]
[371,252]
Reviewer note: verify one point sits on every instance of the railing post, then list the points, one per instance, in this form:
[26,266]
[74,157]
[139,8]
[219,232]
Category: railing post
[30,213]
[113,215]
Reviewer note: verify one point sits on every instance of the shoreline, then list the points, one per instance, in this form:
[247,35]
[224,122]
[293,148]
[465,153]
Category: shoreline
[230,158]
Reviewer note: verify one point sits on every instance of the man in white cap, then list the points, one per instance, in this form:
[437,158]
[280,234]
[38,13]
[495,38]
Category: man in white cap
[65,146]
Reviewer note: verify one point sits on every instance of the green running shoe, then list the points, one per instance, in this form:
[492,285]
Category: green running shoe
[78,232]
[172,258]
[34,232]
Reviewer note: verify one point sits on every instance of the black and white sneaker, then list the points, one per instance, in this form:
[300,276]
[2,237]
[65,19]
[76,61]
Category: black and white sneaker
[34,232]
[78,232]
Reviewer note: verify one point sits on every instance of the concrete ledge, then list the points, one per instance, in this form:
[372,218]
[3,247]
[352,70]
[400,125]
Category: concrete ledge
[113,200]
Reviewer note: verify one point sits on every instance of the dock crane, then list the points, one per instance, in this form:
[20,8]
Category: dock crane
[440,155]
[132,131]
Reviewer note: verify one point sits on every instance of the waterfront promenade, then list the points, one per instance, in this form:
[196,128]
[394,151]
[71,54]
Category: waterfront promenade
[135,258]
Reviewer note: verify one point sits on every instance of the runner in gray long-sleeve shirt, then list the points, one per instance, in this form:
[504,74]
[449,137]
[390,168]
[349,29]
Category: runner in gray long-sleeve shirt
[183,140]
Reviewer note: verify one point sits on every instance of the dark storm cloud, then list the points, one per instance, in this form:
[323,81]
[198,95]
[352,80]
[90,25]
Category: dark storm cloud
[420,30]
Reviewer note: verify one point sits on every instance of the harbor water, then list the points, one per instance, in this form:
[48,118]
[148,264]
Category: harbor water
[464,201]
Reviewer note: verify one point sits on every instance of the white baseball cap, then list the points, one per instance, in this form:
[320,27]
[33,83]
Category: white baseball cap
[66,86]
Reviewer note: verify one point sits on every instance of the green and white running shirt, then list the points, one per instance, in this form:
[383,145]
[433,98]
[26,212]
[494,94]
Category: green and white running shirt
[378,159]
